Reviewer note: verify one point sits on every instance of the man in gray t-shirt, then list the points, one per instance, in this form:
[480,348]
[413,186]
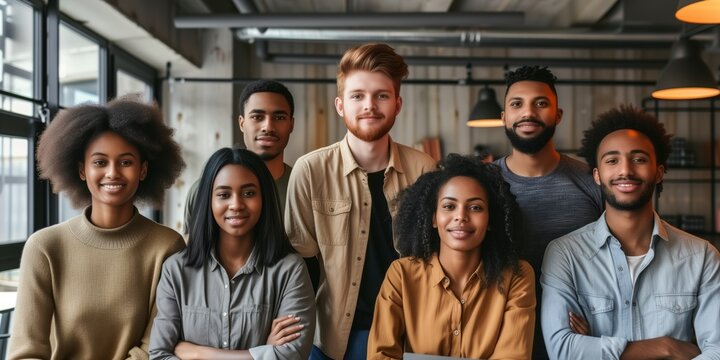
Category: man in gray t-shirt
[556,193]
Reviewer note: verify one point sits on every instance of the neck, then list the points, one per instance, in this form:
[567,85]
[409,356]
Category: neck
[532,165]
[276,166]
[458,266]
[233,252]
[109,217]
[632,228]
[371,156]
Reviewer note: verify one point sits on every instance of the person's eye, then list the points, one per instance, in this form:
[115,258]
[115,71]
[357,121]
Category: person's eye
[280,117]
[126,163]
[640,160]
[248,193]
[542,103]
[222,195]
[256,117]
[611,161]
[99,163]
[448,206]
[515,104]
[384,96]
[477,208]
[356,96]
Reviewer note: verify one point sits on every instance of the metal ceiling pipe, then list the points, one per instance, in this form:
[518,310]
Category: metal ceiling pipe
[566,63]
[248,7]
[384,20]
[558,39]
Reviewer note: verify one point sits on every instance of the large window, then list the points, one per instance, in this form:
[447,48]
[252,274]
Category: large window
[14,191]
[16,52]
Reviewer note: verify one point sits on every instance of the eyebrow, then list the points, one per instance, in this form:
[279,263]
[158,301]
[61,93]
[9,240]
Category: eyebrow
[106,155]
[616,152]
[226,187]
[261,111]
[522,98]
[468,200]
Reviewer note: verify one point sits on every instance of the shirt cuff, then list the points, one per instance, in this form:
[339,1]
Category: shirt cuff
[612,347]
[262,352]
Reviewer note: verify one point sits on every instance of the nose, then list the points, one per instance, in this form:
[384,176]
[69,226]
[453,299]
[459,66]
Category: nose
[236,203]
[268,125]
[111,171]
[461,216]
[626,167]
[369,103]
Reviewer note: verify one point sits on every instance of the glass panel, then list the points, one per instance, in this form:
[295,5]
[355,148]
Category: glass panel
[79,68]
[128,84]
[16,55]
[9,281]
[14,191]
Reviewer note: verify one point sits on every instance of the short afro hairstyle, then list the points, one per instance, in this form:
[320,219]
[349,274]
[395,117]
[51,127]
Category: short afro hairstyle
[418,238]
[531,73]
[265,86]
[62,147]
[630,118]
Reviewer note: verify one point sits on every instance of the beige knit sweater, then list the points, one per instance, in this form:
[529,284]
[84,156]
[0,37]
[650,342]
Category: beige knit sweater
[87,292]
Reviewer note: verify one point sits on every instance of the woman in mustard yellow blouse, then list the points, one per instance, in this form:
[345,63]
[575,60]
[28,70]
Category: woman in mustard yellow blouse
[461,290]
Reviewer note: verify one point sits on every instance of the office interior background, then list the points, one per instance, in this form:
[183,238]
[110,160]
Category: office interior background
[194,56]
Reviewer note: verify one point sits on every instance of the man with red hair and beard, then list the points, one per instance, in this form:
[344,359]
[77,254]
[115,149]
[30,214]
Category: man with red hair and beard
[341,199]
[556,193]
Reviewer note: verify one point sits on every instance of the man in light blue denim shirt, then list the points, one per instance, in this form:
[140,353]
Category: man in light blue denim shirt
[630,285]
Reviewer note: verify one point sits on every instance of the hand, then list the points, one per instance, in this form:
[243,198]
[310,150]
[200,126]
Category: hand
[578,324]
[284,330]
[188,351]
[680,349]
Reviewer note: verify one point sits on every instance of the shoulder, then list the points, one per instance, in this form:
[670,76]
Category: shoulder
[579,240]
[525,271]
[175,262]
[320,155]
[687,244]
[289,261]
[48,238]
[415,156]
[574,167]
[161,235]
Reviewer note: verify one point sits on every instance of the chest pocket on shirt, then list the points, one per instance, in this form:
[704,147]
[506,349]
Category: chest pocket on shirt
[676,304]
[196,324]
[332,221]
[599,311]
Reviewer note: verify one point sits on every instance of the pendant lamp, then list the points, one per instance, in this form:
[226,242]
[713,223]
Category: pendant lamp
[686,76]
[698,11]
[486,112]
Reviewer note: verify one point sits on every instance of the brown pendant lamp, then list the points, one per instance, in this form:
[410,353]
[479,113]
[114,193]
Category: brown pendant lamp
[486,112]
[686,76]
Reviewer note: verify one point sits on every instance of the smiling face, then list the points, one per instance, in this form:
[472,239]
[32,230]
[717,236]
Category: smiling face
[530,116]
[627,170]
[369,104]
[266,124]
[112,169]
[236,202]
[462,214]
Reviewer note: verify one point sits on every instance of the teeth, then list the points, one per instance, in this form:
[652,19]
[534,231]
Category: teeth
[112,187]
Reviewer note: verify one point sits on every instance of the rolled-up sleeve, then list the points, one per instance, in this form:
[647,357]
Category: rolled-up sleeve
[559,297]
[298,298]
[166,331]
[516,336]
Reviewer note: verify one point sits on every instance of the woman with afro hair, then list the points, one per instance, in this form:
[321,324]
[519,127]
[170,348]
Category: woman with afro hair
[87,285]
[460,290]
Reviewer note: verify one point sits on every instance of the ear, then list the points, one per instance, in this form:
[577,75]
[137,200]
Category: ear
[502,117]
[596,176]
[434,221]
[398,105]
[81,171]
[660,174]
[241,122]
[292,124]
[559,116]
[143,170]
[339,107]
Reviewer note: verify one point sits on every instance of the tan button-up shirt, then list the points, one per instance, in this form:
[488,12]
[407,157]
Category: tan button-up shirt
[327,215]
[416,311]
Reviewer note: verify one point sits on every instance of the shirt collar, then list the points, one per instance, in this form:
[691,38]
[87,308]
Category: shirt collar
[438,277]
[602,232]
[349,163]
[248,268]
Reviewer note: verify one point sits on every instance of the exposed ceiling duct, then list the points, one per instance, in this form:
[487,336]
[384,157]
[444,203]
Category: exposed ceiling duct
[563,39]
[383,20]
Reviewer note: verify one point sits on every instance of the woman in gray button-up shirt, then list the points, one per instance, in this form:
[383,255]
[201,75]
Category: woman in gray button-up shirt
[238,290]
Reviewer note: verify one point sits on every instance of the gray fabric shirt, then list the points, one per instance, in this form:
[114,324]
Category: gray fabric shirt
[554,204]
[207,307]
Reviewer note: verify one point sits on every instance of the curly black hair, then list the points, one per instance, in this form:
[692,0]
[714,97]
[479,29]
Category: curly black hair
[531,73]
[265,86]
[413,224]
[631,118]
[62,147]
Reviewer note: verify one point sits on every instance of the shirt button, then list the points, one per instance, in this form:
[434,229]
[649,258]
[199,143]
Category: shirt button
[359,258]
[634,303]
[224,343]
[362,231]
[462,301]
[446,280]
[620,268]
[226,285]
[232,281]
[332,209]
[224,314]
[354,283]
[627,302]
[456,332]
[347,314]
[365,203]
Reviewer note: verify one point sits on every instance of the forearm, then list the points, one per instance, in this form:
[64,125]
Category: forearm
[659,348]
[188,351]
